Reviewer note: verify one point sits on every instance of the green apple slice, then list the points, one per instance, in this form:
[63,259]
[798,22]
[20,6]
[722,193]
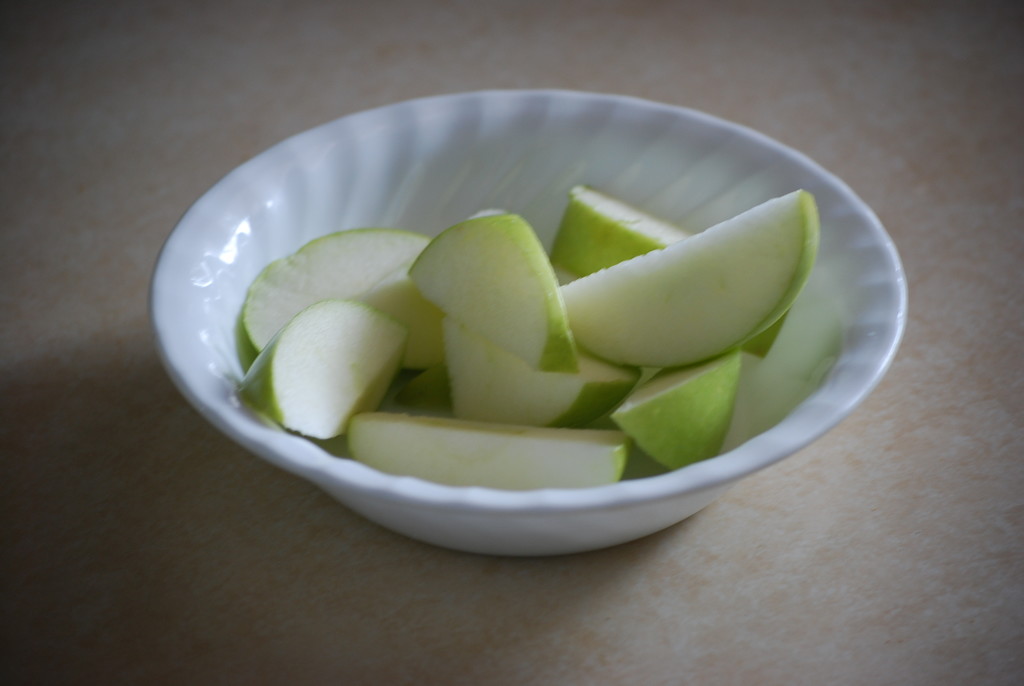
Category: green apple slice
[491,273]
[344,265]
[428,390]
[333,359]
[398,296]
[598,230]
[682,416]
[761,343]
[697,298]
[490,384]
[459,452]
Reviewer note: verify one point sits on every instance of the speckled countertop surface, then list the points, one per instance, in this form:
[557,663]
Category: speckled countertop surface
[141,547]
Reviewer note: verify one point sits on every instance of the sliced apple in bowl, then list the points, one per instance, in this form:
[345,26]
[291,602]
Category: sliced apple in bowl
[333,359]
[358,264]
[500,342]
[681,416]
[460,452]
[491,273]
[490,384]
[598,230]
[697,298]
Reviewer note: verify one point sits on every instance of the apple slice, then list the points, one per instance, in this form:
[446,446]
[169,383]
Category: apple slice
[429,390]
[458,452]
[760,344]
[490,384]
[681,416]
[344,265]
[333,359]
[491,273]
[701,296]
[598,230]
[398,296]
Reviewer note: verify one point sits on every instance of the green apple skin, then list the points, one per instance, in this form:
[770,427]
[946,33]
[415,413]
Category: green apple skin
[492,274]
[399,297]
[702,296]
[490,384]
[681,416]
[429,390]
[344,265]
[333,359]
[459,452]
[246,351]
[762,343]
[598,231]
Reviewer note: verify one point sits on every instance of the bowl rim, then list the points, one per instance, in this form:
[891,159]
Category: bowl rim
[812,418]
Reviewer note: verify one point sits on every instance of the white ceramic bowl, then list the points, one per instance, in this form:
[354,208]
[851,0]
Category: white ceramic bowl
[426,164]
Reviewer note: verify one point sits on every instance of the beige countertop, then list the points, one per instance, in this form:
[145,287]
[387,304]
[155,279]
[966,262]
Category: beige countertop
[142,547]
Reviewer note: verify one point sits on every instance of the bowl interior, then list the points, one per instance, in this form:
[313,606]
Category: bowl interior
[426,164]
